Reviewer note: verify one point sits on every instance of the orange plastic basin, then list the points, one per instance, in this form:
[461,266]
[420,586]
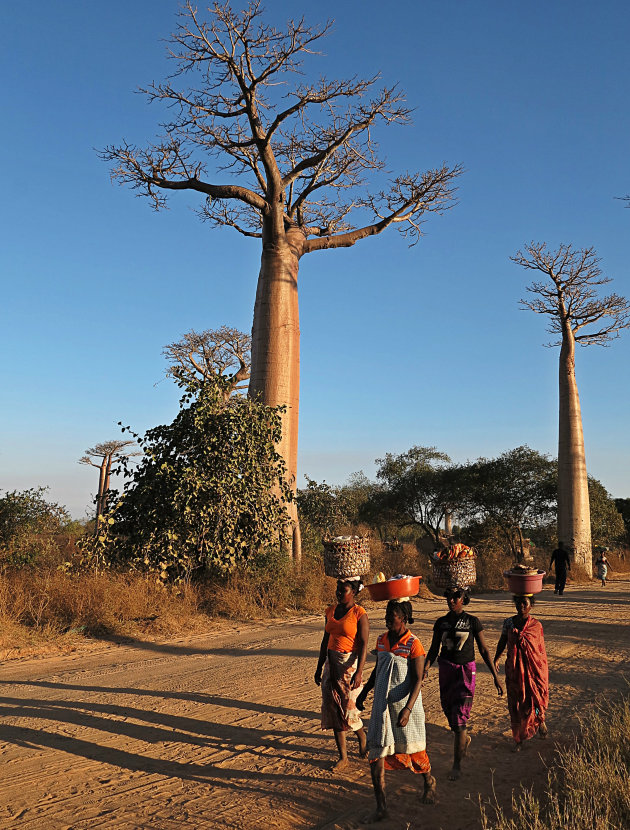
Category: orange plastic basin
[394,588]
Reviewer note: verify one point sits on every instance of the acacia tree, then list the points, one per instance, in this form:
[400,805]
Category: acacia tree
[515,490]
[607,525]
[569,296]
[105,453]
[297,157]
[199,357]
[420,488]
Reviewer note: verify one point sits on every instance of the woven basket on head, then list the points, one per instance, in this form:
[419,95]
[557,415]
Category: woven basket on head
[454,573]
[346,556]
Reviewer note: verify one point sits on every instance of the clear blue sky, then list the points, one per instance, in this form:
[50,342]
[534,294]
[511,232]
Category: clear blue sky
[400,346]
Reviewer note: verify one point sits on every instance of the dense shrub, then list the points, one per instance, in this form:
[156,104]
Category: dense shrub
[31,527]
[209,491]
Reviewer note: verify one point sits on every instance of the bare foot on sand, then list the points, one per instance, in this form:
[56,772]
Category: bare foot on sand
[455,774]
[430,786]
[340,765]
[517,747]
[379,815]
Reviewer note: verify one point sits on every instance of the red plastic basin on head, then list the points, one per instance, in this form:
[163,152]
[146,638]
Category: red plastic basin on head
[394,588]
[524,583]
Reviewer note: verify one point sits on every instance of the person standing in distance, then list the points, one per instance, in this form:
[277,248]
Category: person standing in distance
[563,563]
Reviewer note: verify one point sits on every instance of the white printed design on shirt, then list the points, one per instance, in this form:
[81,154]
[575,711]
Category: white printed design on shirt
[461,637]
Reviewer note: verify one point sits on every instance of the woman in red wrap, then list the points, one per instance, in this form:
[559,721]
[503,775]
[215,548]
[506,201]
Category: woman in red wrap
[526,672]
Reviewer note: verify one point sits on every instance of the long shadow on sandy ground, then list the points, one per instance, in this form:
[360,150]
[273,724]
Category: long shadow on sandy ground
[195,697]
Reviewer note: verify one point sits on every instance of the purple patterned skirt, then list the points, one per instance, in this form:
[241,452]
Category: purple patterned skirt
[457,688]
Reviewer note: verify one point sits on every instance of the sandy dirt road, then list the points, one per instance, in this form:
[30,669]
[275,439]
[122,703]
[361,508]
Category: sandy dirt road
[222,730]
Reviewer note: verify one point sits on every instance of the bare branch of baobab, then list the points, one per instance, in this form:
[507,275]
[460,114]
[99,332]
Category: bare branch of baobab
[199,357]
[307,147]
[569,294]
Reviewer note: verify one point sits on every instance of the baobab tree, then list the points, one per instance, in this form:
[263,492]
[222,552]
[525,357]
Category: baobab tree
[105,453]
[297,157]
[569,296]
[199,357]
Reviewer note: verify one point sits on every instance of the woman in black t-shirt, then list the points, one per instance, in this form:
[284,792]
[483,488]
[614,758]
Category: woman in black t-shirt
[454,636]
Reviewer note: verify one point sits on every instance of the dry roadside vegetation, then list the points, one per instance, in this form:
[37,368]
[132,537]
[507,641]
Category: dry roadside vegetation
[50,604]
[47,606]
[221,729]
[588,786]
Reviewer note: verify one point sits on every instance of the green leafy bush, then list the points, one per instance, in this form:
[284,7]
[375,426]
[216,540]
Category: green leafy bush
[28,524]
[209,491]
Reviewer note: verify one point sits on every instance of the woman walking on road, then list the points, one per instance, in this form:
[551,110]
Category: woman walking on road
[602,564]
[339,670]
[454,636]
[396,735]
[526,671]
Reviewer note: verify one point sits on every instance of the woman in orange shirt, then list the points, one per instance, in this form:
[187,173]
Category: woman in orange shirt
[339,671]
[397,732]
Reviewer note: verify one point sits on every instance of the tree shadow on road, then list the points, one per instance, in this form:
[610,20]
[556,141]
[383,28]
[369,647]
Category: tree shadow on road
[194,697]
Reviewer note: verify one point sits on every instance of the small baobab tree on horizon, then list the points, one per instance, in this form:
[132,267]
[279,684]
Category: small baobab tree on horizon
[199,357]
[578,315]
[291,163]
[105,453]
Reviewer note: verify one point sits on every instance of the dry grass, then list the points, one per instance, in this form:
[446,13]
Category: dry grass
[619,562]
[406,560]
[249,593]
[588,788]
[52,602]
[43,604]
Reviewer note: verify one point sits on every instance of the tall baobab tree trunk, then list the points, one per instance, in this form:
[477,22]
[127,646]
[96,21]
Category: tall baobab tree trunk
[275,374]
[100,506]
[104,478]
[448,524]
[578,314]
[574,520]
[106,451]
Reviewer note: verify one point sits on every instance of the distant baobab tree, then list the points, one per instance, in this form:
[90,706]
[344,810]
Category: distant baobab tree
[569,296]
[294,161]
[199,357]
[105,453]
